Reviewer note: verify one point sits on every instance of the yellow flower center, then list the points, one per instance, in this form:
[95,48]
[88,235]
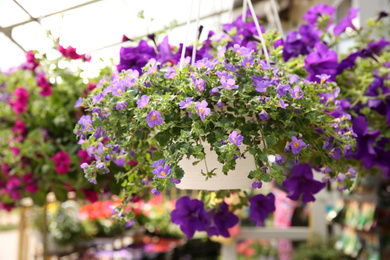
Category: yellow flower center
[88,126]
[153,117]
[239,52]
[201,110]
[200,87]
[120,91]
[296,95]
[223,77]
[163,173]
[322,80]
[234,139]
[147,106]
[296,144]
[258,66]
[248,63]
[203,66]
[228,87]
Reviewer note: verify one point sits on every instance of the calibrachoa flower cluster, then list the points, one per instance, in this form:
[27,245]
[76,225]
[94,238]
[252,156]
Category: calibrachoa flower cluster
[237,102]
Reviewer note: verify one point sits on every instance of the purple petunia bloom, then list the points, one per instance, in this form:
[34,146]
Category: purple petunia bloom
[279,159]
[154,118]
[263,115]
[335,153]
[247,62]
[186,103]
[257,185]
[236,138]
[282,104]
[202,109]
[190,215]
[317,11]
[143,102]
[346,22]
[220,221]
[296,93]
[164,51]
[135,57]
[161,171]
[296,145]
[323,61]
[302,182]
[260,207]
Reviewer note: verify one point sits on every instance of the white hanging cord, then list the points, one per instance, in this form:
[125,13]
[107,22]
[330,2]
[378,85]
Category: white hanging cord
[258,29]
[231,11]
[185,42]
[244,7]
[196,35]
[277,17]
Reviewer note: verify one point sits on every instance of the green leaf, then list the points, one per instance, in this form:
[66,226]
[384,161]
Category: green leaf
[270,141]
[98,122]
[157,155]
[162,138]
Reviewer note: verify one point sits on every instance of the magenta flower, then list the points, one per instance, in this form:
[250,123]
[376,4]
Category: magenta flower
[247,62]
[229,84]
[61,161]
[20,104]
[235,138]
[260,207]
[202,109]
[296,145]
[154,118]
[302,182]
[186,103]
[296,92]
[190,215]
[161,171]
[143,102]
[346,22]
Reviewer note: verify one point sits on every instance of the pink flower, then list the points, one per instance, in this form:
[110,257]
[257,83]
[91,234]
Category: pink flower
[20,104]
[30,182]
[71,53]
[61,162]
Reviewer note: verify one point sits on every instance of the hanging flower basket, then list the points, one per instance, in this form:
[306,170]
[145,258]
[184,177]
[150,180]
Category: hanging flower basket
[193,178]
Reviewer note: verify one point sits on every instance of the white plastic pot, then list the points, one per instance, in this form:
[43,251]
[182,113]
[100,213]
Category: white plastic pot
[236,179]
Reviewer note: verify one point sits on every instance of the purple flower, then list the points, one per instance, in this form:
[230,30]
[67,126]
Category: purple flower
[154,118]
[220,104]
[223,76]
[346,22]
[335,153]
[190,215]
[171,73]
[296,92]
[135,57]
[341,177]
[323,61]
[317,11]
[156,163]
[155,191]
[242,51]
[121,105]
[161,171]
[186,103]
[257,185]
[282,104]
[260,207]
[200,84]
[175,181]
[202,109]
[279,159]
[235,138]
[86,123]
[143,102]
[323,77]
[348,152]
[130,223]
[348,62]
[296,145]
[282,89]
[302,182]
[263,115]
[229,84]
[224,142]
[164,51]
[247,62]
[260,84]
[220,221]
[79,102]
[352,172]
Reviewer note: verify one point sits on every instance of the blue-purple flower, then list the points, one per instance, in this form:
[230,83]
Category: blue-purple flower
[229,84]
[282,104]
[171,73]
[186,103]
[236,138]
[257,185]
[190,215]
[161,171]
[143,102]
[247,62]
[120,105]
[296,145]
[260,207]
[296,92]
[335,153]
[302,183]
[154,118]
[279,159]
[346,22]
[202,109]
[263,115]
[220,221]
[323,61]
[317,11]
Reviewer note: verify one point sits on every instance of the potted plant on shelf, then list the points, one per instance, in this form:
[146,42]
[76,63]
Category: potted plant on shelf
[234,104]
